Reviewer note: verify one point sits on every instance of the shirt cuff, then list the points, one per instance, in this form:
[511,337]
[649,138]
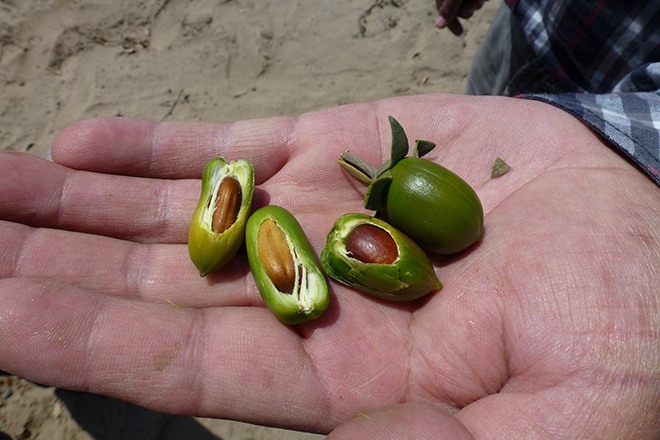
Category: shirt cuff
[629,121]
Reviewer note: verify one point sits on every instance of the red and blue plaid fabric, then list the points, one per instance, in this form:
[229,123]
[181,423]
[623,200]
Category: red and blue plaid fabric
[607,53]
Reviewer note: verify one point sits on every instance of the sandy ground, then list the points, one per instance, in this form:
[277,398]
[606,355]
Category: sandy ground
[63,60]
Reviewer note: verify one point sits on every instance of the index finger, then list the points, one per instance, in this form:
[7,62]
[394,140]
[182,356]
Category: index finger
[180,149]
[172,149]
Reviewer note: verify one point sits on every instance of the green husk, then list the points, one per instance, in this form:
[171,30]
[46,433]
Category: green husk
[409,277]
[210,251]
[310,296]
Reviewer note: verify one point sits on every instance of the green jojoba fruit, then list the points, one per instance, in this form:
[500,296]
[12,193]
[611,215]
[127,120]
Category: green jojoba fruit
[375,258]
[217,228]
[426,201]
[284,266]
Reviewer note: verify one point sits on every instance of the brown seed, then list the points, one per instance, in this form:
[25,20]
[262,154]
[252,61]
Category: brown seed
[275,256]
[371,244]
[227,205]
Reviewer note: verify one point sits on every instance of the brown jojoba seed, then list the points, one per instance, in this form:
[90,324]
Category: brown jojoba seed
[227,205]
[275,256]
[371,244]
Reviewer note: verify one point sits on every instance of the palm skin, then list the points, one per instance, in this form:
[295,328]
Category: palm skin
[547,328]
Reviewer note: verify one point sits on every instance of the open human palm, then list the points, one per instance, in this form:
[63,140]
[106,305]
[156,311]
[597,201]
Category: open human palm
[548,327]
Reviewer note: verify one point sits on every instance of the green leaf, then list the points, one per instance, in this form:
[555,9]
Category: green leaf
[422,148]
[499,169]
[376,195]
[399,142]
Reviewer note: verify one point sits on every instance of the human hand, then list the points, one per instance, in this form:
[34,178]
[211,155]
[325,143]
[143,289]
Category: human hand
[546,328]
[451,10]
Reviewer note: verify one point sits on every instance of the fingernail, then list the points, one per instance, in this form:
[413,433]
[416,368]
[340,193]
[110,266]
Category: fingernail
[440,21]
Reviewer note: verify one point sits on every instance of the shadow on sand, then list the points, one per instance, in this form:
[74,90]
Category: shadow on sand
[105,418]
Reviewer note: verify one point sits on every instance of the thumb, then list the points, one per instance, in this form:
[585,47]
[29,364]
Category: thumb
[408,420]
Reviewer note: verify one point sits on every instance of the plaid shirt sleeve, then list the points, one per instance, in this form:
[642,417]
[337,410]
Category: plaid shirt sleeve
[607,53]
[629,117]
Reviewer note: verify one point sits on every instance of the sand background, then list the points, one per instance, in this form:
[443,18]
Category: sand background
[66,60]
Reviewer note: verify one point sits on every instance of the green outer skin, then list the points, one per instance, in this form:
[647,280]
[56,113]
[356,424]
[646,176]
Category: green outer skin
[287,307]
[210,251]
[411,276]
[433,206]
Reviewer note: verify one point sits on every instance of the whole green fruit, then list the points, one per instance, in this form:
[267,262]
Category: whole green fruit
[433,206]
[424,200]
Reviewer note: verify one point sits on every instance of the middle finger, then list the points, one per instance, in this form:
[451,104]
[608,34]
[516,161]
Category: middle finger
[40,193]
[148,272]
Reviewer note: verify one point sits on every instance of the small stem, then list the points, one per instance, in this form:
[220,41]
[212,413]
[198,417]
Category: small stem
[357,168]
